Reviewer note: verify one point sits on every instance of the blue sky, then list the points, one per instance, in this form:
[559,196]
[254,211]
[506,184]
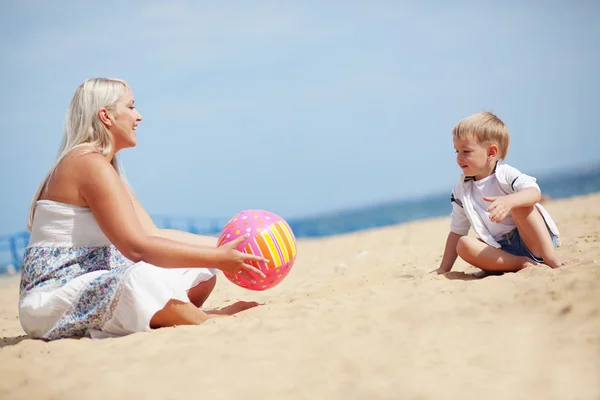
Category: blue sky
[298,107]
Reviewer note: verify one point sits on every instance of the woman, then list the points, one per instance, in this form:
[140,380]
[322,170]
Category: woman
[96,264]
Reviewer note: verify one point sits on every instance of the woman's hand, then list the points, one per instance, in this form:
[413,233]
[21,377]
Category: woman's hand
[232,261]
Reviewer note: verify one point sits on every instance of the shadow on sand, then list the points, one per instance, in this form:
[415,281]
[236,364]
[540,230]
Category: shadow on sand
[12,341]
[462,276]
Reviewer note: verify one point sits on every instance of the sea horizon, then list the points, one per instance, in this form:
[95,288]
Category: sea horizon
[554,185]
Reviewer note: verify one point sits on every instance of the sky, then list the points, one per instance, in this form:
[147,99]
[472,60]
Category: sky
[299,108]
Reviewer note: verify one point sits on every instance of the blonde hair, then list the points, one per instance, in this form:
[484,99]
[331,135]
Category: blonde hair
[485,128]
[84,128]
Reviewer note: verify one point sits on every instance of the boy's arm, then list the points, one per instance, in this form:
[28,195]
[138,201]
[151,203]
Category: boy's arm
[502,205]
[528,196]
[525,192]
[450,253]
[459,226]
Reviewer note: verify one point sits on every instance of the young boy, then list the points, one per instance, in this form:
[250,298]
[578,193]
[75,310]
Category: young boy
[499,202]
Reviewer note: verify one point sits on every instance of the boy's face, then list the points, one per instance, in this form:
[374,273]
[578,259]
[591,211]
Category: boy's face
[475,159]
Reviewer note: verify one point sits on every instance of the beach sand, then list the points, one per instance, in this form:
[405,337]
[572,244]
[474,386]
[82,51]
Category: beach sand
[358,317]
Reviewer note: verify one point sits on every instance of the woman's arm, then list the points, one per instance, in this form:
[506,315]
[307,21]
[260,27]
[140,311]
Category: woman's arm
[188,237]
[109,200]
[180,236]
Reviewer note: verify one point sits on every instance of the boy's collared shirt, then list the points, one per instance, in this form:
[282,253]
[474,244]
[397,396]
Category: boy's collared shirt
[464,210]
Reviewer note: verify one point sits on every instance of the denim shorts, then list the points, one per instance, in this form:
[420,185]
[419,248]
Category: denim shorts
[513,244]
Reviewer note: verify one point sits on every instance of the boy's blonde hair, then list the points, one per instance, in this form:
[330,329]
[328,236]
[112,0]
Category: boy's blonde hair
[485,128]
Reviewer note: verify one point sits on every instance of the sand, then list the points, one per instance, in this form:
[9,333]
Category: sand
[359,317]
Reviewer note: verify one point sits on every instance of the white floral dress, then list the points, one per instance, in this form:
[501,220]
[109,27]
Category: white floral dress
[75,283]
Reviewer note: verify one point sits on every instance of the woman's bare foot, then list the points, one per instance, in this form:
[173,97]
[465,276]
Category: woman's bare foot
[234,308]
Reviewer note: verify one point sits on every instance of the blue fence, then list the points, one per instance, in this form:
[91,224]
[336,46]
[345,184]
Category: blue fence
[11,251]
[13,246]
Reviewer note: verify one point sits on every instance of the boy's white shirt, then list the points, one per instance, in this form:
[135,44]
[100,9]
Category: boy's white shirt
[464,216]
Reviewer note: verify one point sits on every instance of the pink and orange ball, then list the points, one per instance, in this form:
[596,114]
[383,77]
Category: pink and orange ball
[270,237]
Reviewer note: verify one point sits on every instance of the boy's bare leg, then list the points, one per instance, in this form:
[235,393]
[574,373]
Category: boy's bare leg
[489,258]
[535,235]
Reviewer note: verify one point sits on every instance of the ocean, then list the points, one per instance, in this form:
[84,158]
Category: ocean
[568,184]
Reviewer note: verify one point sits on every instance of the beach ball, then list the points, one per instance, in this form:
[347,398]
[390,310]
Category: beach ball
[270,237]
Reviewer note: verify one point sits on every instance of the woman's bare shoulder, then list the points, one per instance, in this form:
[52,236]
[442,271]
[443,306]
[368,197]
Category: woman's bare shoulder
[85,156]
[81,166]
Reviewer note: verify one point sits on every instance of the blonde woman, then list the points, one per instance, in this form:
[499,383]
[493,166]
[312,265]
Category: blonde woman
[96,265]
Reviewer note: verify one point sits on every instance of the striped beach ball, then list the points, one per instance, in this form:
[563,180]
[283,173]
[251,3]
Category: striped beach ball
[270,237]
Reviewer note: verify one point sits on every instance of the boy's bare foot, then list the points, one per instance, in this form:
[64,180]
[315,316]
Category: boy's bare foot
[555,261]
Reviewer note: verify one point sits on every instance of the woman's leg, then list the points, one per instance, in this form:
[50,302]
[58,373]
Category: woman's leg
[199,293]
[176,312]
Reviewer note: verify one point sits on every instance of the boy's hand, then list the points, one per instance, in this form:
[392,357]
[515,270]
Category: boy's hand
[499,208]
[440,271]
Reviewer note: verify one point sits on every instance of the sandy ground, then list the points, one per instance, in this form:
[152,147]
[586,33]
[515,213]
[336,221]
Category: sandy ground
[359,317]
